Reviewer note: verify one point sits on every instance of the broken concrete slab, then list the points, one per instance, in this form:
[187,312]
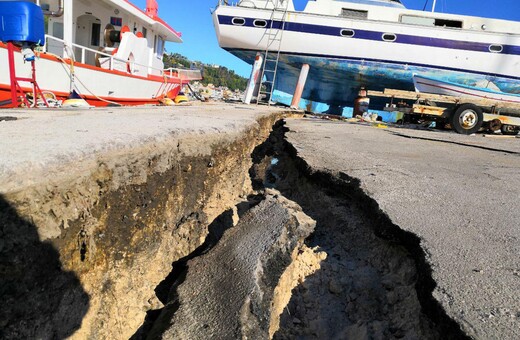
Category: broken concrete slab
[229,292]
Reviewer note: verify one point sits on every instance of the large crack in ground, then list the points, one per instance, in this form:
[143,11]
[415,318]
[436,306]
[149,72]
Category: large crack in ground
[375,282]
[357,276]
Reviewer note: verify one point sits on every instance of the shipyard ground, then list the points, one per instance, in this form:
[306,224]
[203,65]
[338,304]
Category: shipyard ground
[233,221]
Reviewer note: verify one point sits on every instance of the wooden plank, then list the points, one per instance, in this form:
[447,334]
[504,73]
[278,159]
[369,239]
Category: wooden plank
[498,136]
[428,110]
[424,96]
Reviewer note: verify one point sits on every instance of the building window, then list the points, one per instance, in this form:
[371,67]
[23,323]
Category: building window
[57,30]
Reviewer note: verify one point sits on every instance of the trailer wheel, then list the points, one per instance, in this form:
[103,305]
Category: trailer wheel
[509,130]
[467,119]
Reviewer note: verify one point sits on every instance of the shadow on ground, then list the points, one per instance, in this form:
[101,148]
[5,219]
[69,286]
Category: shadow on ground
[40,300]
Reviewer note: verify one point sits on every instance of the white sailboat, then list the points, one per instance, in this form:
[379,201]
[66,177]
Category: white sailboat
[375,44]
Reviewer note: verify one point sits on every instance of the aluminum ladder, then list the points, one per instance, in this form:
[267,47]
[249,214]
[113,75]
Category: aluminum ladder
[272,52]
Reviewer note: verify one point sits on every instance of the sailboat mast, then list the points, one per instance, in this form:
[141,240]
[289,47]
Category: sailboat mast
[433,6]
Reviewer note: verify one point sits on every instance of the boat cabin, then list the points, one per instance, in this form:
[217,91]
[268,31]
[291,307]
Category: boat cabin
[111,34]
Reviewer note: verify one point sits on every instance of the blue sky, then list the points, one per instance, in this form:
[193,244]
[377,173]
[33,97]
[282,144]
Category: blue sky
[193,19]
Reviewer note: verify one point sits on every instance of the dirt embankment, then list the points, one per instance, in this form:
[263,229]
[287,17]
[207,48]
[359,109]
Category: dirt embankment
[82,254]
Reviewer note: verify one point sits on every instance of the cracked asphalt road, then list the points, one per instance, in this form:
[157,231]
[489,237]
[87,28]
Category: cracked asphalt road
[458,194]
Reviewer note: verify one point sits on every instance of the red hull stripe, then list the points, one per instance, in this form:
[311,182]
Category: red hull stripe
[99,69]
[5,95]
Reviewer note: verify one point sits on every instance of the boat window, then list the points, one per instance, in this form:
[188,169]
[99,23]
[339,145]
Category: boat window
[159,46]
[238,21]
[347,33]
[496,48]
[354,13]
[448,23]
[145,31]
[95,38]
[57,30]
[389,37]
[414,20]
[260,23]
[425,21]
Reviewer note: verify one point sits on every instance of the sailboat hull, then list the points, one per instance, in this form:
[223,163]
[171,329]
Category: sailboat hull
[345,54]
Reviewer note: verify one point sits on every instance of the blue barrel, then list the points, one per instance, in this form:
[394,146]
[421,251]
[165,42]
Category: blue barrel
[21,22]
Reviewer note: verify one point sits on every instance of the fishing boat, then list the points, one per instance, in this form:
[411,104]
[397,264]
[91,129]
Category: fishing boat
[485,90]
[376,44]
[108,51]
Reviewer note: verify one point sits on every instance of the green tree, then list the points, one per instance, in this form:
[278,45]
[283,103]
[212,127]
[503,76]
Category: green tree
[218,76]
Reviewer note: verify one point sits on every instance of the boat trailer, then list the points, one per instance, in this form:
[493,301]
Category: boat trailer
[464,115]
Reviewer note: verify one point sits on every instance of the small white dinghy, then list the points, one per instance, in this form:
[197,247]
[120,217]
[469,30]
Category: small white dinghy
[442,87]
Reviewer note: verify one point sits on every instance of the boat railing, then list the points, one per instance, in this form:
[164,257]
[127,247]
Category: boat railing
[183,74]
[270,4]
[88,55]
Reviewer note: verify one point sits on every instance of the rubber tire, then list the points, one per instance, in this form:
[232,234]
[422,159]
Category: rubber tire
[506,132]
[455,123]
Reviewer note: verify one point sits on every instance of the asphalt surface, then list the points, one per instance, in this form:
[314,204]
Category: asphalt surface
[47,143]
[459,194]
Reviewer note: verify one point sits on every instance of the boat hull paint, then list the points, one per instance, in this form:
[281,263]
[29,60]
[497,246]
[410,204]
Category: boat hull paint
[333,83]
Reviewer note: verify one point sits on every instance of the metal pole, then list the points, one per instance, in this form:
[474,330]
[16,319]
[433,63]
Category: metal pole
[299,86]
[253,85]
[68,24]
[433,6]
[12,74]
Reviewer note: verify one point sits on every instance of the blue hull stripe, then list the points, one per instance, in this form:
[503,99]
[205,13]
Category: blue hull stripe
[378,61]
[377,36]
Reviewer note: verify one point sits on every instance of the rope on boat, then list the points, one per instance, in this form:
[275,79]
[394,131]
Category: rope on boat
[73,78]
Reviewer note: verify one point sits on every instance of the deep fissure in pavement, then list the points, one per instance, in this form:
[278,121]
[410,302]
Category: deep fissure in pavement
[375,282]
[166,291]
